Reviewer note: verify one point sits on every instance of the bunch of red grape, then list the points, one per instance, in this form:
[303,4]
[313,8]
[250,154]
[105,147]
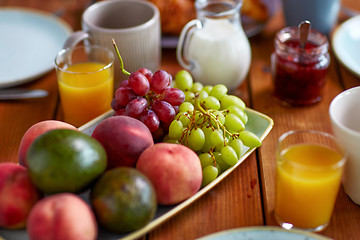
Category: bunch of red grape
[150,98]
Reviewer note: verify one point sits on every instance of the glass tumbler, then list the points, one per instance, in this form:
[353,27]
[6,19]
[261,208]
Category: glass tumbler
[85,77]
[309,168]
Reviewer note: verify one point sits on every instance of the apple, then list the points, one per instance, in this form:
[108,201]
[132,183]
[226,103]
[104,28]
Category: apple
[34,131]
[124,139]
[17,195]
[62,216]
[173,169]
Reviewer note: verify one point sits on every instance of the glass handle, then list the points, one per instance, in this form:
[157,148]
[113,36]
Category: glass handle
[184,36]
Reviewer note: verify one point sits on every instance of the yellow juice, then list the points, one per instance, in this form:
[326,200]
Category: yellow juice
[86,91]
[308,179]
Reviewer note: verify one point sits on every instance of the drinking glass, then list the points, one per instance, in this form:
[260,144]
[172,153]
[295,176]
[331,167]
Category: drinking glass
[86,82]
[309,169]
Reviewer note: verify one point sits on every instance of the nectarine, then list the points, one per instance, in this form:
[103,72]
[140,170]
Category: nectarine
[62,216]
[17,195]
[36,130]
[174,170]
[124,139]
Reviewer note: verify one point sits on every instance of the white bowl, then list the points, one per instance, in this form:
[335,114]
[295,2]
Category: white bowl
[345,119]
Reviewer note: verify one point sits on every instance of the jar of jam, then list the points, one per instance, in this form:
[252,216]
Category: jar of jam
[299,74]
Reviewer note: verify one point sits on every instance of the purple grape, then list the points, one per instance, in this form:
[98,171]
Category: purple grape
[164,110]
[135,107]
[124,95]
[174,96]
[150,119]
[139,83]
[159,81]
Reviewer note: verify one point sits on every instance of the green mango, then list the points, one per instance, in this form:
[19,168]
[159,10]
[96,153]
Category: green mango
[64,160]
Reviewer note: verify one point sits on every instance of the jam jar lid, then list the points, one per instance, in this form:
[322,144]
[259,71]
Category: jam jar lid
[319,44]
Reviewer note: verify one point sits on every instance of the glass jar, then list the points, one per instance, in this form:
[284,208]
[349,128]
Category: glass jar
[299,74]
[214,47]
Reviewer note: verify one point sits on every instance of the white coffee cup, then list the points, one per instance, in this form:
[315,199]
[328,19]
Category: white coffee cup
[345,118]
[135,27]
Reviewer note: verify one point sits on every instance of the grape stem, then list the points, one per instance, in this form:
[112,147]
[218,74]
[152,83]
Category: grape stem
[208,114]
[121,61]
[198,105]
[211,152]
[213,117]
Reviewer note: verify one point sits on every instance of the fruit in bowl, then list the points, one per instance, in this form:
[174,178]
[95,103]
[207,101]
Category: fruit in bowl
[206,119]
[17,195]
[64,160]
[206,123]
[124,139]
[123,200]
[174,171]
[62,216]
[36,130]
[148,97]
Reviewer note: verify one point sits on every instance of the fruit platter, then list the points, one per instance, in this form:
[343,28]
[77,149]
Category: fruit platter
[165,143]
[258,123]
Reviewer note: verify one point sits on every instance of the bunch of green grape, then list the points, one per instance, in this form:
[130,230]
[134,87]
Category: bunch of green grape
[212,123]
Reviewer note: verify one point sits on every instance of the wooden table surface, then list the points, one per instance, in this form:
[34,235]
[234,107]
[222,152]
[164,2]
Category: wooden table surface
[246,197]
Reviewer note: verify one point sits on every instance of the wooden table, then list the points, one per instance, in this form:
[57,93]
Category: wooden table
[246,196]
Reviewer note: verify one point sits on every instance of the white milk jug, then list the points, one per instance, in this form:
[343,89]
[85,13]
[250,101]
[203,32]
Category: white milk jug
[214,47]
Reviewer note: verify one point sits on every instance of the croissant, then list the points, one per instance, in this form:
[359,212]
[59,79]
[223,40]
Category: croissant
[176,13]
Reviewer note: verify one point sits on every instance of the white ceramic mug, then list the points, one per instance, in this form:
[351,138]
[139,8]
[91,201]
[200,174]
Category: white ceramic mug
[135,27]
[345,118]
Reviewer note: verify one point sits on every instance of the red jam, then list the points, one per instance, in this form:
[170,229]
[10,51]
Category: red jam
[299,75]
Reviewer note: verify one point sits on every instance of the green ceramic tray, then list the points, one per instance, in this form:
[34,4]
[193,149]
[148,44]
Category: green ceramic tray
[258,123]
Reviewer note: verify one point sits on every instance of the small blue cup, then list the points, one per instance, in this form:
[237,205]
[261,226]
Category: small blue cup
[322,14]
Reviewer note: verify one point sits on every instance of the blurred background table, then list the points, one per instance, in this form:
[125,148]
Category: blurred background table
[246,196]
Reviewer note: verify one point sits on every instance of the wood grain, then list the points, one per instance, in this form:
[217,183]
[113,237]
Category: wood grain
[246,196]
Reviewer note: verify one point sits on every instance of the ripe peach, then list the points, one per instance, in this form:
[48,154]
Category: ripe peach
[17,195]
[174,170]
[62,216]
[124,139]
[36,130]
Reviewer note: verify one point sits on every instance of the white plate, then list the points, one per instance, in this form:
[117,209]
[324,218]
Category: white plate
[29,42]
[346,44]
[260,233]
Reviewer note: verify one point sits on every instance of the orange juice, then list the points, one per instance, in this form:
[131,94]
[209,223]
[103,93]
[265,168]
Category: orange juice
[86,91]
[308,179]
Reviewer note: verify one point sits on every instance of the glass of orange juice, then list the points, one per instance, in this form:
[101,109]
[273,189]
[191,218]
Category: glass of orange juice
[309,169]
[86,82]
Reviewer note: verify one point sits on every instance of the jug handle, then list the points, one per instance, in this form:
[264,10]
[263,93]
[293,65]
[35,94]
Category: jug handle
[182,41]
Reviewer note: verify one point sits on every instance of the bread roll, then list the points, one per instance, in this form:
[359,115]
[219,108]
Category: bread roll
[176,13]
